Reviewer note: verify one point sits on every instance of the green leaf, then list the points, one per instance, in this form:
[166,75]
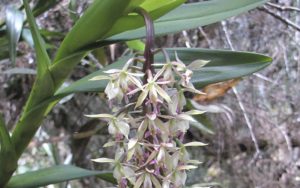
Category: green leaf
[8,161]
[56,174]
[133,5]
[137,45]
[92,26]
[18,70]
[223,65]
[41,98]
[14,24]
[47,33]
[72,10]
[155,8]
[5,141]
[151,5]
[41,53]
[85,32]
[44,85]
[27,36]
[4,48]
[191,16]
[43,88]
[93,86]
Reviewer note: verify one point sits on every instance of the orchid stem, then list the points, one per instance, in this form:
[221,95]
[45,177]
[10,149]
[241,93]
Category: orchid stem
[149,46]
[148,53]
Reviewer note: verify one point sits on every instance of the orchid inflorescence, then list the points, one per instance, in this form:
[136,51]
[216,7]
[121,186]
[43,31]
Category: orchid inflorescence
[149,129]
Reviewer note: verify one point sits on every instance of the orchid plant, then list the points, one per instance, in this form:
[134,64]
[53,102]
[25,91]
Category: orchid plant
[149,131]
[147,94]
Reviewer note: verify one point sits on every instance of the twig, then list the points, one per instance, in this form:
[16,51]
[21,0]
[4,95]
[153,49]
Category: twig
[265,78]
[279,17]
[53,140]
[287,139]
[248,122]
[95,61]
[228,40]
[283,8]
[187,39]
[205,37]
[112,49]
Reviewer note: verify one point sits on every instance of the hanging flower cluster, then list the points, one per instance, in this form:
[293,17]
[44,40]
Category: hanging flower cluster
[148,130]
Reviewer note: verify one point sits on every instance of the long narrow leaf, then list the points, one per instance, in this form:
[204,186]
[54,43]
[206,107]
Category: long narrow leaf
[4,48]
[43,88]
[93,86]
[44,84]
[8,162]
[41,53]
[14,24]
[92,26]
[50,79]
[19,71]
[85,32]
[56,174]
[156,8]
[191,16]
[5,141]
[223,65]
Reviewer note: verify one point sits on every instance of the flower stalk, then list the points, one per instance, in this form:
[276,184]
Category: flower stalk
[148,53]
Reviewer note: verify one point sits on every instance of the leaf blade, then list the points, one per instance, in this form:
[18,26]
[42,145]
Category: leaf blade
[191,16]
[54,175]
[14,23]
[227,64]
[8,161]
[41,53]
[86,31]
[223,65]
[155,8]
[19,71]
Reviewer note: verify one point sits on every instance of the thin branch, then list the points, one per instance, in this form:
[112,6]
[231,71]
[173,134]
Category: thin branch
[95,60]
[287,139]
[265,78]
[279,17]
[205,37]
[248,122]
[227,37]
[283,8]
[187,39]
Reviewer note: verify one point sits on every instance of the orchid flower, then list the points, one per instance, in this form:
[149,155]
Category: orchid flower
[149,143]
